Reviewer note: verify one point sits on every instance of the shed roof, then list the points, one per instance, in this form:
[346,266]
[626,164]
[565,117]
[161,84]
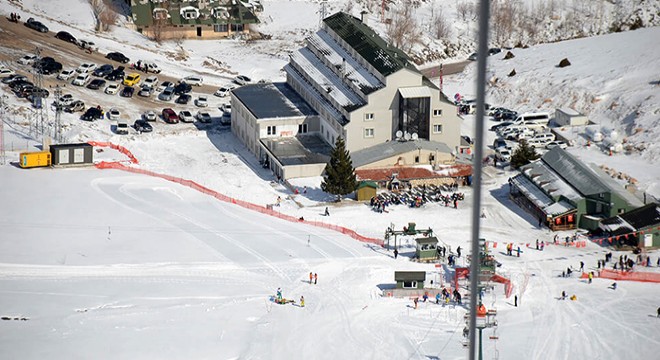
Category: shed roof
[69,146]
[370,184]
[645,216]
[299,150]
[409,275]
[276,100]
[427,240]
[366,42]
[392,148]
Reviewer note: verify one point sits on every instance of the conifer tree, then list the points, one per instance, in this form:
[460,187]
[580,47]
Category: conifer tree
[523,155]
[339,178]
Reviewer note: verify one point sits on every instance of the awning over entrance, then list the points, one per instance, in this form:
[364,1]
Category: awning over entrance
[415,92]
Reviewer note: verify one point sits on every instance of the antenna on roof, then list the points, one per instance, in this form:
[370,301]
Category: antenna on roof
[399,134]
[415,136]
[406,136]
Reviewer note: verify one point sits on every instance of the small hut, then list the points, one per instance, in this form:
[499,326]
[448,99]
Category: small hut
[427,248]
[366,190]
[409,279]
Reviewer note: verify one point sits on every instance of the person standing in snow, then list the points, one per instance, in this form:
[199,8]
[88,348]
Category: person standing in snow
[302,301]
[310,277]
[316,277]
[279,294]
[437,298]
[591,276]
[563,295]
[581,266]
[518,251]
[396,253]
[327,213]
[658,312]
[458,251]
[515,300]
[415,302]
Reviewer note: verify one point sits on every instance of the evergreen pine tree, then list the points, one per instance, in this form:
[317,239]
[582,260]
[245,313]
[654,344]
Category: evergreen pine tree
[339,178]
[523,154]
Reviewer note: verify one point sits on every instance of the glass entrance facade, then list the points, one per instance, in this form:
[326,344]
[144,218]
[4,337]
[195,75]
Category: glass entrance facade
[414,116]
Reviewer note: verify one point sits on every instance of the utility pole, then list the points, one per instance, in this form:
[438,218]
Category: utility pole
[57,131]
[41,112]
[2,129]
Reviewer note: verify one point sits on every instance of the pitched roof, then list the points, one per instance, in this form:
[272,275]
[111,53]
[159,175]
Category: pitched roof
[647,215]
[366,42]
[370,184]
[409,275]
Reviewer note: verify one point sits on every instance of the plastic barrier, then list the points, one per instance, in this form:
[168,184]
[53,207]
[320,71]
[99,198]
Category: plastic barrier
[627,275]
[508,286]
[119,148]
[225,198]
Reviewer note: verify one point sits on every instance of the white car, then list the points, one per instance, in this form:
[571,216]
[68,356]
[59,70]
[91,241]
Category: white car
[114,114]
[4,72]
[65,100]
[66,74]
[204,117]
[81,80]
[151,81]
[224,91]
[150,115]
[112,89]
[186,116]
[193,80]
[556,143]
[202,101]
[242,80]
[86,68]
[27,59]
[503,154]
[226,108]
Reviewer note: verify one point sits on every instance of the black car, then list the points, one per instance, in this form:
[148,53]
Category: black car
[116,74]
[182,88]
[117,56]
[92,114]
[493,51]
[127,91]
[14,78]
[63,35]
[142,126]
[19,86]
[103,70]
[43,61]
[183,99]
[96,84]
[36,25]
[50,68]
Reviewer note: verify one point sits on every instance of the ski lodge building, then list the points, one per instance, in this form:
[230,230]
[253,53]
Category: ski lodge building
[346,82]
[564,193]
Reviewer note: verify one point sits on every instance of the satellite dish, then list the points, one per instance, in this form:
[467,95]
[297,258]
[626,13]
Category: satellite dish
[406,136]
[399,134]
[415,136]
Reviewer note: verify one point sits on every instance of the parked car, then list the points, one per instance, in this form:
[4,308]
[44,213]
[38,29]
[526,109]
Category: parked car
[169,116]
[142,126]
[116,74]
[114,114]
[103,70]
[167,94]
[66,74]
[503,154]
[14,78]
[63,35]
[146,91]
[186,116]
[242,80]
[122,126]
[225,108]
[193,80]
[75,106]
[4,72]
[27,59]
[132,79]
[127,91]
[117,56]
[182,88]
[151,81]
[81,80]
[64,100]
[50,68]
[19,84]
[556,143]
[164,85]
[224,91]
[473,57]
[96,84]
[493,51]
[93,113]
[32,91]
[202,101]
[150,115]
[183,99]
[112,89]
[86,68]
[36,25]
[147,67]
[204,117]
[88,45]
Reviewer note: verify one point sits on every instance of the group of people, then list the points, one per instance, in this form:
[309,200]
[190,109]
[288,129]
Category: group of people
[378,205]
[14,17]
[509,250]
[313,276]
[540,245]
[444,296]
[280,300]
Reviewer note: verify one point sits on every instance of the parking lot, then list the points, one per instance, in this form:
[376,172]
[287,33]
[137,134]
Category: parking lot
[19,40]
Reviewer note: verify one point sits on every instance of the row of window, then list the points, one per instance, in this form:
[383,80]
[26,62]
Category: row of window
[272,129]
[369,132]
[370,116]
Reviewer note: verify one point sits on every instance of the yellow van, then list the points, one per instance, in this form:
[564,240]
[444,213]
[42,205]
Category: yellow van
[132,79]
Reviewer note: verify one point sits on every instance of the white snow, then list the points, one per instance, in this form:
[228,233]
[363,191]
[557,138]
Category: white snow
[108,264]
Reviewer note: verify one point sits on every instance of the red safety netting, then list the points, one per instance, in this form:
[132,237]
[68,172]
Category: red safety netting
[225,198]
[627,275]
[508,286]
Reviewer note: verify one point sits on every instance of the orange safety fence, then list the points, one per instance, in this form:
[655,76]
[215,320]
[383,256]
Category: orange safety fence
[508,286]
[119,148]
[264,210]
[640,276]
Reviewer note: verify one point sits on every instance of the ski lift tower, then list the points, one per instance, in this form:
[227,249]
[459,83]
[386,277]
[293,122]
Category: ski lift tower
[40,112]
[322,12]
[57,131]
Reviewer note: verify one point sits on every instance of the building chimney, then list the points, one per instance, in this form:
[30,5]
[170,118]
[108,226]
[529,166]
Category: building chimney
[364,17]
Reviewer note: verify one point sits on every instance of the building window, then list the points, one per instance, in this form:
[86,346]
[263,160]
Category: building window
[220,28]
[272,130]
[302,128]
[601,195]
[437,112]
[236,27]
[437,129]
[431,158]
[369,133]
[410,284]
[368,116]
[417,161]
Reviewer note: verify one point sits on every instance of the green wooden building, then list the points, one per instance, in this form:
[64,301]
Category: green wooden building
[409,279]
[639,227]
[565,193]
[427,248]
